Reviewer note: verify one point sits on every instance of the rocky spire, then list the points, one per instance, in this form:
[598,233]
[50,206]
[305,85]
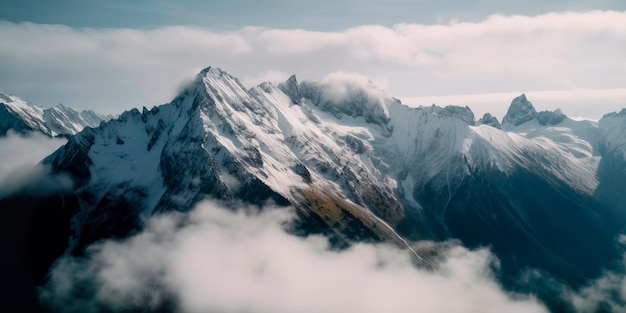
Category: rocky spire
[291,88]
[490,120]
[520,111]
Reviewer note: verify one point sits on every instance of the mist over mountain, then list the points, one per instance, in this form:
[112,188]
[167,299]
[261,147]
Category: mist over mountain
[532,208]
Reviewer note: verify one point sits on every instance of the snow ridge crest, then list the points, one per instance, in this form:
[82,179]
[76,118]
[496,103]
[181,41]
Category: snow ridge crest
[21,116]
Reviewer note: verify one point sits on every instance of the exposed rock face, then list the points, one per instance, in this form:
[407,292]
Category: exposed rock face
[463,113]
[292,89]
[551,118]
[520,111]
[342,98]
[490,120]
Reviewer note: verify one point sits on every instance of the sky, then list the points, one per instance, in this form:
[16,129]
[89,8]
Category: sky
[115,55]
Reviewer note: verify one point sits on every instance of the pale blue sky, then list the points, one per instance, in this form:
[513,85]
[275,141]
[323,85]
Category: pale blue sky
[308,14]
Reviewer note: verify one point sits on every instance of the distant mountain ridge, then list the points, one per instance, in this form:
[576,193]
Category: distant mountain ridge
[19,116]
[522,111]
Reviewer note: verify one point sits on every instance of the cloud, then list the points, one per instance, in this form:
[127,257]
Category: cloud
[34,180]
[115,69]
[338,86]
[19,168]
[25,150]
[604,294]
[607,294]
[216,260]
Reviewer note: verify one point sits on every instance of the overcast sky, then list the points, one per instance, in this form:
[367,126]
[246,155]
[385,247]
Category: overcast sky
[115,55]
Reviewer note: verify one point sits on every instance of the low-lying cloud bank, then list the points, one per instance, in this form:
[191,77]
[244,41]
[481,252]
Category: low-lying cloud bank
[216,260]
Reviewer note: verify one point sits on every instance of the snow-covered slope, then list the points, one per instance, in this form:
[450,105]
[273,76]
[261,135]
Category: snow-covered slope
[353,161]
[20,116]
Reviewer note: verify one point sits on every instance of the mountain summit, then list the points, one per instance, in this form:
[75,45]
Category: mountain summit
[520,111]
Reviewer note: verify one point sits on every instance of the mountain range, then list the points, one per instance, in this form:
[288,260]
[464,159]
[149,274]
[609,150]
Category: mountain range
[22,117]
[541,189]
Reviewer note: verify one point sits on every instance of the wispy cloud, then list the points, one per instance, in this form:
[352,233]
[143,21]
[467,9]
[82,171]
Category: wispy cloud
[115,69]
[216,260]
[606,294]
[19,168]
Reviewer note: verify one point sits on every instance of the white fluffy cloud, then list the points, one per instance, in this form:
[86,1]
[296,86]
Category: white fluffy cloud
[218,261]
[115,69]
[339,85]
[605,294]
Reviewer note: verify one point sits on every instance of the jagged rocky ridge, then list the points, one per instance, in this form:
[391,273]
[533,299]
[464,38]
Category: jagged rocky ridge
[21,117]
[490,120]
[359,165]
[522,111]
